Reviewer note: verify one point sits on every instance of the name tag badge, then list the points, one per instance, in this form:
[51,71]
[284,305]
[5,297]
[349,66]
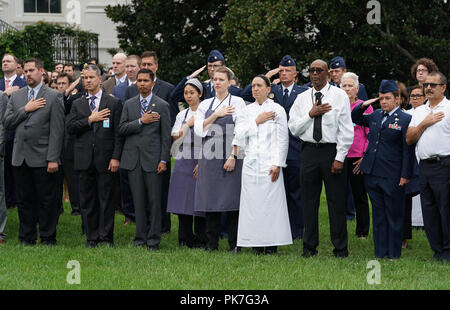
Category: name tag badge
[106,123]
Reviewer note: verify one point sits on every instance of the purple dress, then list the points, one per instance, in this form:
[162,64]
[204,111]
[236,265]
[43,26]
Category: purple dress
[182,182]
[218,190]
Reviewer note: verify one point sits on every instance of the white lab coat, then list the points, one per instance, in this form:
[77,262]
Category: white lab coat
[263,213]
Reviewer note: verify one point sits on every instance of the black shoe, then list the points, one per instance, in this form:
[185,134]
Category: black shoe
[198,245]
[91,244]
[185,243]
[235,250]
[308,253]
[210,249]
[340,253]
[75,212]
[271,250]
[437,256]
[258,250]
[106,243]
[48,242]
[153,247]
[28,242]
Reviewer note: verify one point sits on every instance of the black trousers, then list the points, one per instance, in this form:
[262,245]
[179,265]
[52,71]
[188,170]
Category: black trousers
[69,175]
[360,199]
[407,223]
[316,163]
[165,217]
[97,204]
[186,234]
[434,198]
[38,194]
[213,228]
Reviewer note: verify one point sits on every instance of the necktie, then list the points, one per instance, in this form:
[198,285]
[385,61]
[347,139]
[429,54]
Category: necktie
[285,97]
[7,84]
[385,116]
[317,129]
[143,106]
[92,103]
[31,94]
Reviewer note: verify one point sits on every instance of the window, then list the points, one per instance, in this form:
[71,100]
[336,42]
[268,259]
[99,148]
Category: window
[42,6]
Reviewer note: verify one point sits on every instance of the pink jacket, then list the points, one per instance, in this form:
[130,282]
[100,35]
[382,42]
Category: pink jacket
[360,141]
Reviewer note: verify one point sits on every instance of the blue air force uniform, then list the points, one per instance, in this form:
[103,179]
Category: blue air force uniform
[387,159]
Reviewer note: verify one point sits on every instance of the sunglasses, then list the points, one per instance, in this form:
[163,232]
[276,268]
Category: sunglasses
[318,70]
[432,85]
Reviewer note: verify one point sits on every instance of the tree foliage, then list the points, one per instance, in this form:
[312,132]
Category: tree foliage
[181,32]
[255,34]
[323,29]
[37,41]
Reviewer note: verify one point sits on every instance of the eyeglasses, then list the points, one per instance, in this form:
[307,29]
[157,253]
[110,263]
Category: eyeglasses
[422,70]
[416,96]
[318,70]
[432,85]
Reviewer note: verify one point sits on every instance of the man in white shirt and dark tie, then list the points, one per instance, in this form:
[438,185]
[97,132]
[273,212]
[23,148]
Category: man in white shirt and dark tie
[321,118]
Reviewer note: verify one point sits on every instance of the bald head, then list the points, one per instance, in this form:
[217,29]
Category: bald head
[318,73]
[118,65]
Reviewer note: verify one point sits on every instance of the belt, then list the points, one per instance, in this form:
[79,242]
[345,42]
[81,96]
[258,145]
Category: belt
[434,159]
[319,145]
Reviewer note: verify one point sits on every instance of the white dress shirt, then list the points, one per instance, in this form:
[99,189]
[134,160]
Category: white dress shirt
[98,96]
[435,140]
[337,125]
[265,145]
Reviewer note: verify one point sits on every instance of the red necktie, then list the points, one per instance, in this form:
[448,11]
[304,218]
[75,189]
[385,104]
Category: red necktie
[7,84]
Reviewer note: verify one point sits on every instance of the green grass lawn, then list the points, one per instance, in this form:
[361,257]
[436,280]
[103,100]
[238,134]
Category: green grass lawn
[125,267]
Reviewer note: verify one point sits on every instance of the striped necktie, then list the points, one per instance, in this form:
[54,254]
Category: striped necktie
[31,95]
[92,103]
[143,106]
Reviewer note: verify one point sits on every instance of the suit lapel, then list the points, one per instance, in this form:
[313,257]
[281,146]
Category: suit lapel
[103,100]
[156,88]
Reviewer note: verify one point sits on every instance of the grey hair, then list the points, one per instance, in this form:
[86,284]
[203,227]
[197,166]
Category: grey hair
[441,76]
[92,67]
[351,76]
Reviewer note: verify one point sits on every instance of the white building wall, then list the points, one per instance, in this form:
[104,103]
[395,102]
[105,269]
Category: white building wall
[88,15]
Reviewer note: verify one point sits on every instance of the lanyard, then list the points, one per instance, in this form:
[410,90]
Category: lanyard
[229,103]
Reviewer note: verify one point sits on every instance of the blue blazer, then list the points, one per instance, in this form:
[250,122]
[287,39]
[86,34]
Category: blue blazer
[17,82]
[276,94]
[387,154]
[120,90]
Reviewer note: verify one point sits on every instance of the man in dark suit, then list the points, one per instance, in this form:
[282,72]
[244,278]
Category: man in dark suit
[132,66]
[163,90]
[145,124]
[98,147]
[285,94]
[387,166]
[10,83]
[36,113]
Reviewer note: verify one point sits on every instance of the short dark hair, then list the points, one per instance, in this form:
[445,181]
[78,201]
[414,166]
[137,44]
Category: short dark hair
[91,59]
[20,62]
[14,57]
[264,78]
[150,54]
[417,86]
[146,71]
[64,75]
[38,63]
[69,65]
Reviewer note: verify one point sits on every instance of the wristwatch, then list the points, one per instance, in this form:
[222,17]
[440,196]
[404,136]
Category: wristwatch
[234,156]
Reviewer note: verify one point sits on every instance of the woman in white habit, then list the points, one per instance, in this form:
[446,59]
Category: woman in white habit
[263,215]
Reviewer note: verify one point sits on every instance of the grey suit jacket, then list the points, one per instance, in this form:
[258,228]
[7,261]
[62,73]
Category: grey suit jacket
[3,103]
[39,134]
[150,143]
